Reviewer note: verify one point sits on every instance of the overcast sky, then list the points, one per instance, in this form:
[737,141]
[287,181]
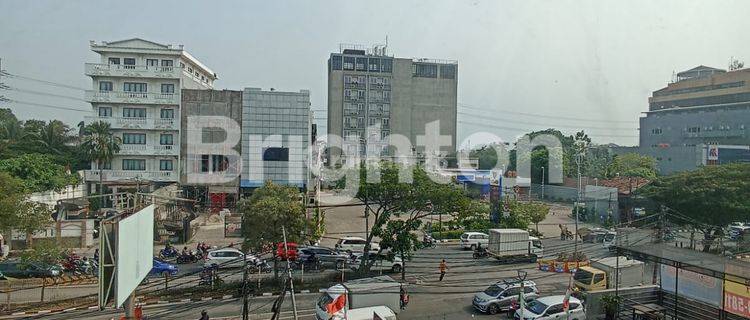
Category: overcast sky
[565,60]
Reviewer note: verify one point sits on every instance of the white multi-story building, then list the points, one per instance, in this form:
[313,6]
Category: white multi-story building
[136,88]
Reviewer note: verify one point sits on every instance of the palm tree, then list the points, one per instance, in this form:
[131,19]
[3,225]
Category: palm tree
[100,145]
[54,136]
[11,132]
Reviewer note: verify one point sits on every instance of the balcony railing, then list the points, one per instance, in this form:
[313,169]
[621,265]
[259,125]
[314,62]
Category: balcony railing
[133,149]
[138,123]
[132,97]
[121,70]
[171,150]
[131,175]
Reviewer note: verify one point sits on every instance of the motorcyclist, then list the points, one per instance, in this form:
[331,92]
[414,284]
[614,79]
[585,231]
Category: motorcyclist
[479,249]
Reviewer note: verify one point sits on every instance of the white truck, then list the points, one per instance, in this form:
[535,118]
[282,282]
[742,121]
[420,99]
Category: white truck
[603,274]
[362,293]
[514,245]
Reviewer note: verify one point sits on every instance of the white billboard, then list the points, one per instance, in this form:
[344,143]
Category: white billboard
[135,251]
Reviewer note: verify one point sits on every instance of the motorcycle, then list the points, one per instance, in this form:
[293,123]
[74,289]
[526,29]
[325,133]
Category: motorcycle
[190,257]
[480,253]
[262,266]
[429,242]
[169,252]
[210,277]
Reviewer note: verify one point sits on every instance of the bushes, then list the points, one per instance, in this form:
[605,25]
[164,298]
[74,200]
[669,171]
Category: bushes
[449,234]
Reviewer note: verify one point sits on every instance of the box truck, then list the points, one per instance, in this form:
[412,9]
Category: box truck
[362,293]
[513,245]
[604,273]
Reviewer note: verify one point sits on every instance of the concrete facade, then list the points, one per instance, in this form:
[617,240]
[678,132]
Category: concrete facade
[276,131]
[136,89]
[224,103]
[704,107]
[372,96]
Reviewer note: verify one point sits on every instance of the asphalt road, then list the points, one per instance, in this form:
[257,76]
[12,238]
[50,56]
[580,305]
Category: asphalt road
[430,298]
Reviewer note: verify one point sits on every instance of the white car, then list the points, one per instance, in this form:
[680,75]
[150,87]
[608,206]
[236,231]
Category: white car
[227,258]
[355,244]
[382,263]
[470,240]
[551,308]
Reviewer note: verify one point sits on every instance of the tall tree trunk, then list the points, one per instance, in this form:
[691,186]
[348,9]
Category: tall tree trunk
[403,266]
[101,185]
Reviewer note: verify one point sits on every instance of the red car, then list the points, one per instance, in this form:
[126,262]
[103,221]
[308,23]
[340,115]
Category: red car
[290,253]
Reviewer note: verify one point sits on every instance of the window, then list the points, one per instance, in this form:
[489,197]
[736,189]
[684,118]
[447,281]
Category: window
[152,62]
[373,121]
[361,64]
[424,70]
[383,134]
[386,122]
[374,64]
[360,107]
[598,277]
[336,63]
[182,65]
[360,122]
[656,131]
[386,107]
[105,111]
[166,165]
[166,139]
[386,95]
[512,292]
[448,71]
[167,63]
[348,93]
[386,65]
[113,60]
[348,63]
[107,165]
[133,164]
[129,63]
[133,112]
[167,88]
[361,94]
[167,113]
[276,154]
[555,309]
[190,69]
[134,87]
[694,129]
[133,138]
[105,86]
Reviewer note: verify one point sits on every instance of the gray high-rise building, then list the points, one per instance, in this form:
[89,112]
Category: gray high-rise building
[276,130]
[701,117]
[397,96]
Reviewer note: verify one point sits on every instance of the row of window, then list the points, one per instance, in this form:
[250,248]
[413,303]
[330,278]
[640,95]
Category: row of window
[699,89]
[359,134]
[140,165]
[149,62]
[371,64]
[106,86]
[429,70]
[165,139]
[359,122]
[374,94]
[165,113]
[727,127]
[350,79]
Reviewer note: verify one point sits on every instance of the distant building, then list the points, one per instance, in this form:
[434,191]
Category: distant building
[398,95]
[223,103]
[276,132]
[701,118]
[136,88]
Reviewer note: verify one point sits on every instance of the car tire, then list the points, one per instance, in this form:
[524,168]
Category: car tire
[493,309]
[473,247]
[339,265]
[396,268]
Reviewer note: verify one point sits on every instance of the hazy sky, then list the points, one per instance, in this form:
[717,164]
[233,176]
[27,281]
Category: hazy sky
[594,60]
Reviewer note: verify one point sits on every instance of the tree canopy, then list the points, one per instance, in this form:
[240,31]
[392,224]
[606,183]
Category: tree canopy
[38,172]
[632,165]
[270,208]
[16,211]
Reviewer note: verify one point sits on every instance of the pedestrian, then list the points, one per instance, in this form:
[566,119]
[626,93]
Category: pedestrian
[96,255]
[404,298]
[443,268]
[204,315]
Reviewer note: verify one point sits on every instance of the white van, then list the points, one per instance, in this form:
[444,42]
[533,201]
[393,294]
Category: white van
[355,244]
[364,293]
[470,240]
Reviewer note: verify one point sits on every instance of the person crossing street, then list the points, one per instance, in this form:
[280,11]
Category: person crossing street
[443,268]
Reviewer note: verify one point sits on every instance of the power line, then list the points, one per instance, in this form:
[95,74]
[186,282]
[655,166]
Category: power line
[54,84]
[544,116]
[46,105]
[544,124]
[42,93]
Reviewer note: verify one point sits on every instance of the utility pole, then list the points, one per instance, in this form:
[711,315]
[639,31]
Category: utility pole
[245,304]
[289,274]
[579,159]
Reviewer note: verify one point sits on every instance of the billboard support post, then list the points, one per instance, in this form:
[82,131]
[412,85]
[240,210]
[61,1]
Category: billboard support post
[129,306]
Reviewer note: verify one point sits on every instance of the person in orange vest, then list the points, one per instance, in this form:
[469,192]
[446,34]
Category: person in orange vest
[443,268]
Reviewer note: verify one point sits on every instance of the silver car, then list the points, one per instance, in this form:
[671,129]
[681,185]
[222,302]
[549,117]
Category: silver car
[499,296]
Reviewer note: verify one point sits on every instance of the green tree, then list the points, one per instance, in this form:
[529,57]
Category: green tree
[391,200]
[100,145]
[38,172]
[16,211]
[270,208]
[54,137]
[536,212]
[633,165]
[709,198]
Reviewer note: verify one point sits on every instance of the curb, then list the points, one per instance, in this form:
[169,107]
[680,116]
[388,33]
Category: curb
[155,303]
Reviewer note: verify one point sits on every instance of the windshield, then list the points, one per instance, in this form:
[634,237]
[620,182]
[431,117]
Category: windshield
[537,243]
[493,291]
[324,300]
[583,276]
[536,307]
[609,237]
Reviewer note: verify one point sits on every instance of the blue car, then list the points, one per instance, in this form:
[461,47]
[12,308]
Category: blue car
[161,268]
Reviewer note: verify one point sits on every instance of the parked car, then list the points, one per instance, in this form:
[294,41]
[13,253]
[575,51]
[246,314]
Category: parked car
[326,256]
[551,308]
[161,268]
[227,258]
[18,269]
[286,251]
[470,240]
[355,244]
[498,297]
[381,262]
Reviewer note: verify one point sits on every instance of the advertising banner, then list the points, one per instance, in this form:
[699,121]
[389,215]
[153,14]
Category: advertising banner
[692,285]
[736,292]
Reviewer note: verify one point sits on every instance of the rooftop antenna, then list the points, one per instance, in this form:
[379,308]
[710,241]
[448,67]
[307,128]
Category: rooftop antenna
[386,45]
